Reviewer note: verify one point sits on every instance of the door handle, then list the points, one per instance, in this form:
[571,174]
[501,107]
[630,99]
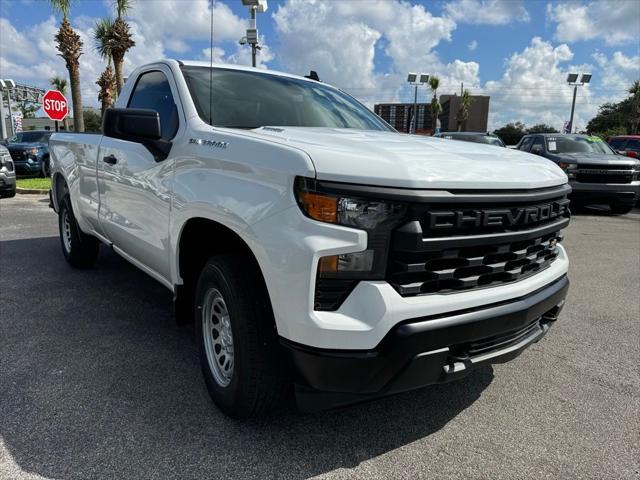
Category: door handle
[110,159]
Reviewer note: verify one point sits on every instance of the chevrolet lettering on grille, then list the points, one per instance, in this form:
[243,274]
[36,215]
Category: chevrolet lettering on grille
[501,217]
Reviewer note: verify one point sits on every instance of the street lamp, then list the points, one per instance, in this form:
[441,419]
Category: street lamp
[572,80]
[416,80]
[7,85]
[255,6]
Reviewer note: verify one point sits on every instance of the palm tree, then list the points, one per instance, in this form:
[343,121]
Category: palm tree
[634,121]
[121,40]
[70,48]
[463,111]
[436,108]
[60,84]
[107,80]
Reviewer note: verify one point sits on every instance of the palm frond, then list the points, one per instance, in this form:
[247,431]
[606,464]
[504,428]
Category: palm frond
[103,38]
[434,83]
[122,6]
[59,83]
[61,6]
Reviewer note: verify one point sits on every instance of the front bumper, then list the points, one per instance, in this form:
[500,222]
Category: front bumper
[7,182]
[27,168]
[627,193]
[427,350]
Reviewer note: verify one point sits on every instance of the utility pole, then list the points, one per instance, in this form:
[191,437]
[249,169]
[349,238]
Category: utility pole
[3,126]
[413,79]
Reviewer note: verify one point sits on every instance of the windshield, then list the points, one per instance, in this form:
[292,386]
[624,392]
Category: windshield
[578,144]
[490,140]
[244,99]
[30,137]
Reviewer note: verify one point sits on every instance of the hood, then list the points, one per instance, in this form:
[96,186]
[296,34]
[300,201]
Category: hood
[413,161]
[595,159]
[25,145]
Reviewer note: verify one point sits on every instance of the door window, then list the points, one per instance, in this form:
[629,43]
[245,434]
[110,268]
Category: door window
[153,91]
[526,143]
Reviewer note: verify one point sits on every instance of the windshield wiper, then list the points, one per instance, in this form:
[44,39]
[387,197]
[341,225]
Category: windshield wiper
[243,127]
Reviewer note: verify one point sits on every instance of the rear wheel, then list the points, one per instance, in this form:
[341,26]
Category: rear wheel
[621,209]
[80,249]
[241,359]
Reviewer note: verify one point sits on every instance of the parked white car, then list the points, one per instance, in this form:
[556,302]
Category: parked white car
[312,244]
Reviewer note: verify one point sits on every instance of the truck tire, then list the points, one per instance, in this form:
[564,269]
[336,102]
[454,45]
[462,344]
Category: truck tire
[80,249]
[621,209]
[242,362]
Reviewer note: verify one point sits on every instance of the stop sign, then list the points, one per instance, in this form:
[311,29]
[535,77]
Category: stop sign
[55,105]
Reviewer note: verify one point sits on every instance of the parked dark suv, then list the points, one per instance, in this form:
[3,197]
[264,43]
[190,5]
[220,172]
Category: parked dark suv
[477,137]
[30,152]
[597,173]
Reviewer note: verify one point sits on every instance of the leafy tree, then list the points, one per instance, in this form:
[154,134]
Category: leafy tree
[618,118]
[92,121]
[104,46]
[542,128]
[511,133]
[70,48]
[463,111]
[436,108]
[60,84]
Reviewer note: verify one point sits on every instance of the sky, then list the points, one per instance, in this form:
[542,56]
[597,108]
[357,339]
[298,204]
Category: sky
[518,52]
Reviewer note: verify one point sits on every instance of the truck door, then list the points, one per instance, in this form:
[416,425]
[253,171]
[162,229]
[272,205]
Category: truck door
[135,188]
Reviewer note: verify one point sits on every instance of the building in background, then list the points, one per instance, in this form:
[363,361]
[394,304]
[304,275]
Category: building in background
[399,115]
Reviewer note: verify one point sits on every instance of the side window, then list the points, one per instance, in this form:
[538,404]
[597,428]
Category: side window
[618,143]
[526,143]
[153,91]
[633,145]
[538,144]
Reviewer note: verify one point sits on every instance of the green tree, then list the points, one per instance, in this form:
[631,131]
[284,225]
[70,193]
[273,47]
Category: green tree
[70,48]
[436,107]
[511,133]
[618,118]
[542,128]
[59,83]
[92,121]
[104,46]
[463,111]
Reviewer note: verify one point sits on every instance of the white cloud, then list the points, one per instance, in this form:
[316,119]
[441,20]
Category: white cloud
[472,45]
[487,12]
[241,55]
[175,22]
[617,73]
[341,41]
[615,22]
[533,88]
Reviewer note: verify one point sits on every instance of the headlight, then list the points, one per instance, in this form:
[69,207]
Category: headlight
[568,168]
[377,217]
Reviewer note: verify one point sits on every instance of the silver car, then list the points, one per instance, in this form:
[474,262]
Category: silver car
[7,174]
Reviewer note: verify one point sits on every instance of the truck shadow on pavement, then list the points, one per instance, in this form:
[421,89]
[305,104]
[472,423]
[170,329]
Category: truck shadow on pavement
[97,381]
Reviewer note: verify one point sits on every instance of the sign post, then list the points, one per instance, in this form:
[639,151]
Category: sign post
[55,106]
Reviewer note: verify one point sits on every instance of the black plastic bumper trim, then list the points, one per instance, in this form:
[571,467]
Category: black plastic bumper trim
[429,350]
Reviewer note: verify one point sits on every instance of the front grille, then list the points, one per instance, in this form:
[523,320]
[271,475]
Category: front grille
[605,174]
[501,342]
[17,155]
[474,245]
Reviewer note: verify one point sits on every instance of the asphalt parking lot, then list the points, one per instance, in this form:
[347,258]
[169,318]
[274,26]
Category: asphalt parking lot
[97,381]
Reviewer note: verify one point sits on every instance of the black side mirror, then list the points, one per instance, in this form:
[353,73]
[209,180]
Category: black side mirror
[137,125]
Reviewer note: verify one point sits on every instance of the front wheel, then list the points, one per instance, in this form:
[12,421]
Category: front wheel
[80,249]
[46,168]
[240,355]
[621,209]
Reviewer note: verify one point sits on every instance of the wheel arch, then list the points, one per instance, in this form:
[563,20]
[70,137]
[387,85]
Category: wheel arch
[58,188]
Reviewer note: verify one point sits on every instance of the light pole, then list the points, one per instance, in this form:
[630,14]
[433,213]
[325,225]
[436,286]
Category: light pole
[416,81]
[7,85]
[255,6]
[572,80]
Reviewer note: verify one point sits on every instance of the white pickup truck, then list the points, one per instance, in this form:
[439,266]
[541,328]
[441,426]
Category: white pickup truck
[313,245]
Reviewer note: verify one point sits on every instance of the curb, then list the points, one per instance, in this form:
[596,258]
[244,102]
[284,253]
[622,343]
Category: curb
[32,191]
